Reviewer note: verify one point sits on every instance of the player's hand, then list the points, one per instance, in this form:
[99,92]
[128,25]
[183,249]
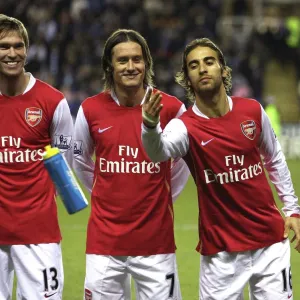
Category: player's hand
[151,108]
[294,224]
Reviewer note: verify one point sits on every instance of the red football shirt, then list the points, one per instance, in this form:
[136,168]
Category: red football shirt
[237,211]
[132,211]
[28,123]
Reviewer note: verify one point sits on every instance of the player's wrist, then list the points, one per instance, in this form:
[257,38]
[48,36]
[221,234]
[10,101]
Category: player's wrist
[149,121]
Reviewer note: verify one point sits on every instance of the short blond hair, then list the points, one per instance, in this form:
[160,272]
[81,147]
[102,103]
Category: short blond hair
[10,24]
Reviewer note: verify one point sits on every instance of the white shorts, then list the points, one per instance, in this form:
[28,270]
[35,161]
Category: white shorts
[108,277]
[38,269]
[223,276]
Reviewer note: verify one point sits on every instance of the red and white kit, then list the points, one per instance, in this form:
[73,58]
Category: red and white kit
[237,211]
[132,212]
[28,213]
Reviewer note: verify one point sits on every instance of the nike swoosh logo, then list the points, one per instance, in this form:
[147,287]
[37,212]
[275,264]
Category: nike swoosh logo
[290,296]
[104,129]
[205,143]
[49,295]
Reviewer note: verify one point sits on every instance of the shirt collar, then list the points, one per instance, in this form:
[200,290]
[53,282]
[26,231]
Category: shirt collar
[200,114]
[114,96]
[30,84]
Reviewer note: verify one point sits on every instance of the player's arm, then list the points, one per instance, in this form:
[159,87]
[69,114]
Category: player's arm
[62,125]
[181,110]
[179,176]
[162,145]
[83,163]
[279,174]
[179,170]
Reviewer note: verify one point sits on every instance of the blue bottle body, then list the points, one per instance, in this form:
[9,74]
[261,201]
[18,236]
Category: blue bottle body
[65,182]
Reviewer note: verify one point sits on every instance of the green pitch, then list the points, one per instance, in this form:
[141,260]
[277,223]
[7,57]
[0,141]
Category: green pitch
[74,231]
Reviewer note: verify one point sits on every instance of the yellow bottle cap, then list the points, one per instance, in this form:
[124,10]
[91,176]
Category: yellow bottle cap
[50,152]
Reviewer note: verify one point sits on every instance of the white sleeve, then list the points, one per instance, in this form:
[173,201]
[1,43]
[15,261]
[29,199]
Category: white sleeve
[162,145]
[275,164]
[179,176]
[179,170]
[83,151]
[181,110]
[61,130]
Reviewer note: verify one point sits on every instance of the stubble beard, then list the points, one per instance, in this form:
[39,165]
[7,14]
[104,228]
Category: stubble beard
[4,73]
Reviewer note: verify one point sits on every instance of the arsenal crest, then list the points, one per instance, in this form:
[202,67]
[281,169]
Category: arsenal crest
[249,129]
[33,116]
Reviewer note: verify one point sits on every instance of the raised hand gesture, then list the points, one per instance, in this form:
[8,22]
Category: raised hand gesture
[151,108]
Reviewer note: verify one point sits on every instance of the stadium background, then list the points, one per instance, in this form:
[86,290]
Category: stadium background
[260,40]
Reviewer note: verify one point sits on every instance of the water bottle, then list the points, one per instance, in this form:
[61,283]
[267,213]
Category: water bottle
[64,180]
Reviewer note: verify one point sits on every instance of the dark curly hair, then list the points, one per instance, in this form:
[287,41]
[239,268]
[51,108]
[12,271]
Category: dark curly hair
[182,76]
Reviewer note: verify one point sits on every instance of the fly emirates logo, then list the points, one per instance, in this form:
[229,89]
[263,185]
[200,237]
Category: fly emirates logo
[8,155]
[236,171]
[124,166]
